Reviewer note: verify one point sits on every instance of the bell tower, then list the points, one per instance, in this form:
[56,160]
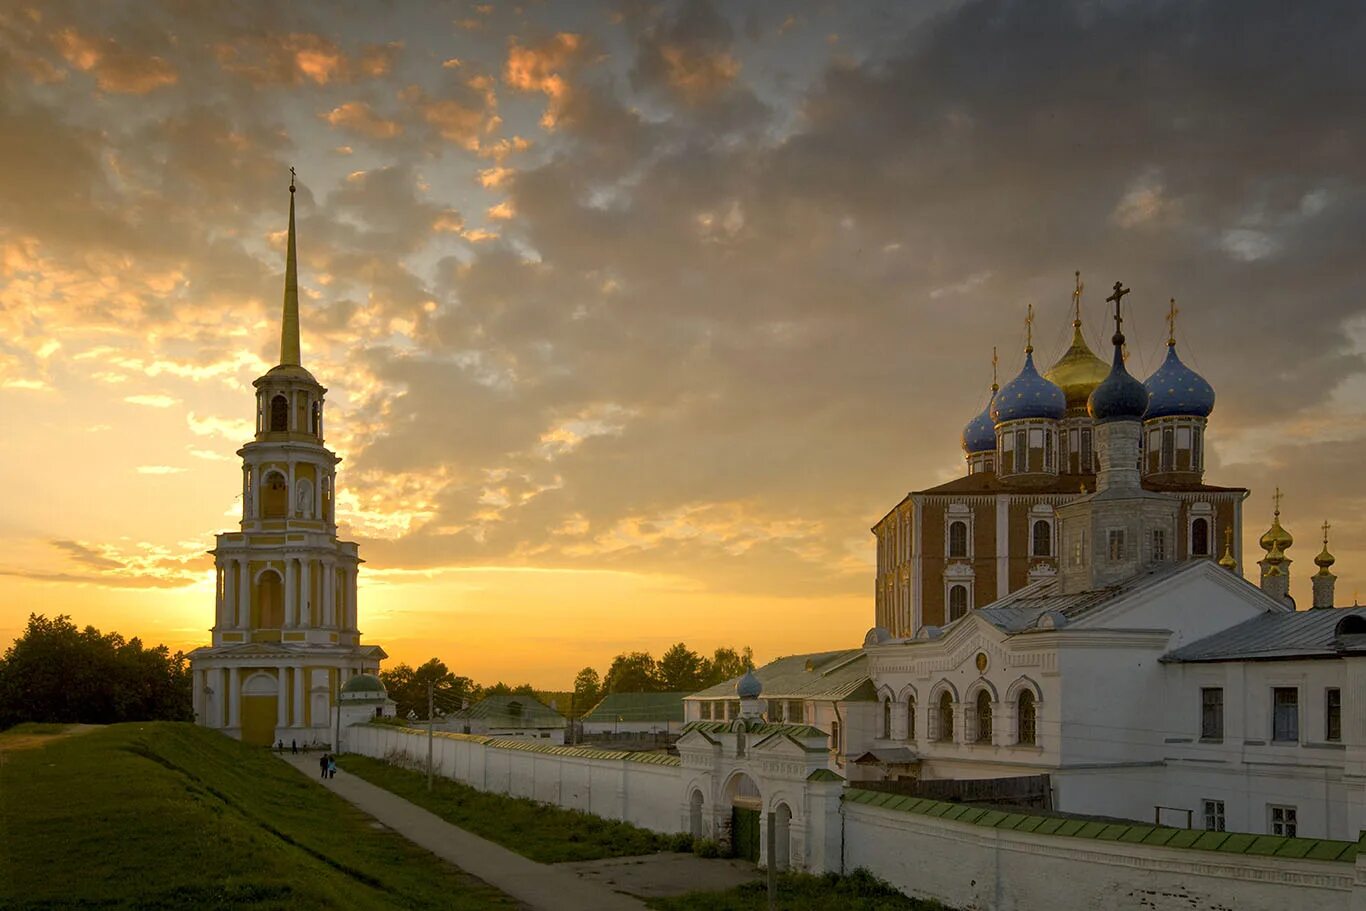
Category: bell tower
[285,632]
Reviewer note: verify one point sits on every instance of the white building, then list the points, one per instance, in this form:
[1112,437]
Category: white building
[285,634]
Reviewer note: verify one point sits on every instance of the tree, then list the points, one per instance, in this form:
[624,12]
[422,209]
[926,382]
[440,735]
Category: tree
[632,672]
[680,670]
[587,690]
[408,688]
[55,672]
[726,663]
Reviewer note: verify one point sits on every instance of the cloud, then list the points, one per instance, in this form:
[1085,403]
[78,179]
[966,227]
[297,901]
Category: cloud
[359,117]
[543,68]
[152,401]
[87,556]
[114,69]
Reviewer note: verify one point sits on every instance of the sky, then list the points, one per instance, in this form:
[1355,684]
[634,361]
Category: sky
[636,316]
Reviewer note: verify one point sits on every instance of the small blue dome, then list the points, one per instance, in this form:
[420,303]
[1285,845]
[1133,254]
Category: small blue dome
[1028,396]
[980,434]
[748,686]
[1175,389]
[1120,397]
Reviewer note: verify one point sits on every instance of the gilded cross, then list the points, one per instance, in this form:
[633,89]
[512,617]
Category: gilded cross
[1118,296]
[1277,497]
[291,180]
[1076,298]
[1171,323]
[994,361]
[1326,526]
[1029,329]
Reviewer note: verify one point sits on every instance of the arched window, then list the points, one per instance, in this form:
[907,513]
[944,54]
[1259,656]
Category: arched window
[275,496]
[958,539]
[887,718]
[316,419]
[958,601]
[1043,539]
[1026,723]
[946,717]
[1200,538]
[983,717]
[910,717]
[279,413]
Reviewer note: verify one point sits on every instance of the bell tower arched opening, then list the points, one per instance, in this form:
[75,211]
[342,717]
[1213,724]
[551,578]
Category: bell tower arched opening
[268,607]
[275,496]
[279,413]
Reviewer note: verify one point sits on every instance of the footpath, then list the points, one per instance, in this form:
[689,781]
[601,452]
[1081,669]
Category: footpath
[539,886]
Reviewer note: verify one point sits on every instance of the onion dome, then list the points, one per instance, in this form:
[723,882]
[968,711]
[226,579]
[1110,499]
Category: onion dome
[1078,372]
[1175,389]
[1324,561]
[1273,560]
[980,434]
[1120,397]
[748,686]
[1276,535]
[363,687]
[1028,396]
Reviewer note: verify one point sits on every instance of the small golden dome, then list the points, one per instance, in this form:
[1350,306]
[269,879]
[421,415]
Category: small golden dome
[1078,371]
[1227,561]
[1324,560]
[1274,557]
[1276,535]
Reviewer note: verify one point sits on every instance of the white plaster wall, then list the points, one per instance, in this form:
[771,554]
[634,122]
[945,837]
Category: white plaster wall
[985,869]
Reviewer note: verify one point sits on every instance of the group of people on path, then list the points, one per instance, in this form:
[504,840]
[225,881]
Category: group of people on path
[327,764]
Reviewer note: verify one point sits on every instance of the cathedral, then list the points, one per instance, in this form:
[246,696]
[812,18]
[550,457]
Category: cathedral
[285,635]
[1032,451]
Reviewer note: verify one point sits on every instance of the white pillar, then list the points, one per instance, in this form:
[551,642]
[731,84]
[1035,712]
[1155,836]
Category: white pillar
[352,594]
[305,593]
[330,593]
[243,594]
[281,699]
[293,494]
[233,696]
[298,697]
[291,602]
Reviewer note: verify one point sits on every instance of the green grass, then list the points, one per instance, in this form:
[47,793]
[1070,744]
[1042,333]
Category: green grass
[859,891]
[535,830]
[167,815]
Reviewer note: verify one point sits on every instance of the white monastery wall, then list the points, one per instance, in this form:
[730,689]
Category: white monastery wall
[979,868]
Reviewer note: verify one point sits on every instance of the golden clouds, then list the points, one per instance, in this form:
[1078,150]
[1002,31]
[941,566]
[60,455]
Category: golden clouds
[495,176]
[697,76]
[301,57]
[502,211]
[114,68]
[360,117]
[151,401]
[539,69]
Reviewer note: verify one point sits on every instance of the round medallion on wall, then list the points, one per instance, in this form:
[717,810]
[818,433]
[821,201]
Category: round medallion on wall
[981,662]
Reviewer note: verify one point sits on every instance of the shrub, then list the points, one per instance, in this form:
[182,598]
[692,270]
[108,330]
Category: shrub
[705,847]
[681,843]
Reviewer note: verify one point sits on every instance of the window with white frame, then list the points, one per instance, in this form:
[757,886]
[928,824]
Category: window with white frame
[1285,714]
[910,717]
[1159,544]
[943,718]
[887,718]
[1200,537]
[1212,713]
[704,711]
[1332,714]
[1026,719]
[1283,820]
[1214,815]
[982,715]
[1042,538]
[958,602]
[958,538]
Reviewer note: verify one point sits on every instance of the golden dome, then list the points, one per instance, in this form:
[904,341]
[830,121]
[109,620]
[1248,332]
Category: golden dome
[1274,557]
[1078,371]
[1227,561]
[1276,535]
[1324,560]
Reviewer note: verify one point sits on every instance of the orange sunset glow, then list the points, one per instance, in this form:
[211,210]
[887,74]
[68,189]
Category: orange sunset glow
[634,318]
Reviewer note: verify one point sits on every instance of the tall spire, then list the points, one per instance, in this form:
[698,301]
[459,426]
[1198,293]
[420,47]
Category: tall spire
[289,324]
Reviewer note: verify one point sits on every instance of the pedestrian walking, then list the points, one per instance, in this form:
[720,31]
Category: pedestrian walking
[322,765]
[294,747]
[331,766]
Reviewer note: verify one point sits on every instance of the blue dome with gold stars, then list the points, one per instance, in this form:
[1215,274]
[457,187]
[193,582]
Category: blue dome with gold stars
[1175,389]
[1028,396]
[980,434]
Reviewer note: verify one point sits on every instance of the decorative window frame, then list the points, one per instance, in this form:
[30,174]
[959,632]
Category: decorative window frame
[958,512]
[909,702]
[1042,512]
[934,732]
[969,713]
[952,579]
[1201,509]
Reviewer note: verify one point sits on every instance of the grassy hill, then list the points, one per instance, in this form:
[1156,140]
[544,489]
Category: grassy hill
[167,815]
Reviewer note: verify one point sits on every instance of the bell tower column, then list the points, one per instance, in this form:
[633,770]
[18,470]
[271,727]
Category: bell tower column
[243,594]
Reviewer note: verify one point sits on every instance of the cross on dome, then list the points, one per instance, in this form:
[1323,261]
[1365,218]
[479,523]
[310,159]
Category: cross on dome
[1171,323]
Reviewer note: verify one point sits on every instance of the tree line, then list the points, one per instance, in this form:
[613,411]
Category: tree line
[678,670]
[58,673]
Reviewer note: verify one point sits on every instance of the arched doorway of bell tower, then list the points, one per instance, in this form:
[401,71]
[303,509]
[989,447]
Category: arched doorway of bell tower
[274,496]
[260,693]
[268,607]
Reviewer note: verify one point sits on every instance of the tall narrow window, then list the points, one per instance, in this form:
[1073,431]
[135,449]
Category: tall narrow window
[958,539]
[1026,719]
[775,711]
[910,718]
[1043,539]
[1285,714]
[1214,815]
[1200,538]
[958,601]
[1087,463]
[1021,451]
[1159,544]
[1196,464]
[279,413]
[983,717]
[1332,715]
[887,719]
[1115,539]
[1212,713]
[1168,449]
[795,711]
[1048,450]
[704,711]
[834,737]
[316,418]
[945,717]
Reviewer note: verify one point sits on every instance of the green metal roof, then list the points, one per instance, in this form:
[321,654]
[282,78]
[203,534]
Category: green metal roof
[512,712]
[1132,833]
[364,683]
[763,727]
[831,676]
[661,707]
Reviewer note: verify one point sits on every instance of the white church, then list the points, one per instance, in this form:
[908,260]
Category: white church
[1146,680]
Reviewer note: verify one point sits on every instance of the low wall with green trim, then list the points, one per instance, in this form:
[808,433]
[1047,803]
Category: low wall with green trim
[640,788]
[990,860]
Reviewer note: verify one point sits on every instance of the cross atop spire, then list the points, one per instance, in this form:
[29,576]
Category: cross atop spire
[1076,301]
[1277,497]
[1029,330]
[289,323]
[1116,297]
[1171,323]
[1326,527]
[994,361]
